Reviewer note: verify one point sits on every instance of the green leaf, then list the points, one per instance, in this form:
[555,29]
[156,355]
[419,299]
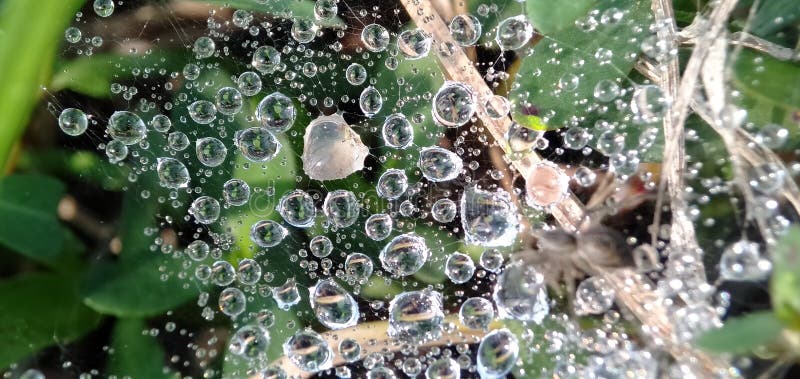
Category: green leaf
[785,283]
[761,80]
[30,32]
[136,354]
[133,286]
[548,17]
[555,58]
[84,165]
[774,16]
[28,212]
[92,75]
[291,9]
[741,334]
[38,311]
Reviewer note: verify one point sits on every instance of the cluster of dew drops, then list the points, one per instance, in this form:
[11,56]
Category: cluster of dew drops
[333,150]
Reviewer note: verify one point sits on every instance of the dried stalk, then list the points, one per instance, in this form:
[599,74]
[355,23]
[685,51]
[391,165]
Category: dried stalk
[569,212]
[635,295]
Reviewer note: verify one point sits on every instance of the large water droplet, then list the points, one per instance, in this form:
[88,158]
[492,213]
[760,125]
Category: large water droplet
[416,315]
[341,207]
[250,341]
[73,121]
[465,29]
[126,127]
[497,354]
[276,112]
[265,59]
[203,112]
[414,44]
[297,208]
[211,152]
[520,294]
[205,209]
[333,305]
[453,104]
[459,267]
[392,184]
[513,33]
[370,101]
[397,131]
[172,173]
[405,254]
[257,144]
[438,164]
[308,351]
[488,218]
[267,233]
[375,37]
[476,313]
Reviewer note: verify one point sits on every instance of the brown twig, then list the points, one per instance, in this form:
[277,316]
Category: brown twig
[569,212]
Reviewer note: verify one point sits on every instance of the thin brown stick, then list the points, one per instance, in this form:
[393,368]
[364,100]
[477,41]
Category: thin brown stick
[569,212]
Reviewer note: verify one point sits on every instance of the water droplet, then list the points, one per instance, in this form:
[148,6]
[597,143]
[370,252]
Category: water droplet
[73,121]
[584,176]
[459,268]
[358,266]
[370,101]
[325,9]
[249,83]
[160,123]
[649,103]
[205,209]
[546,185]
[397,131]
[333,305]
[772,136]
[116,151]
[404,255]
[236,192]
[350,350]
[249,272]
[488,218]
[513,33]
[178,141]
[286,295]
[742,261]
[229,100]
[267,233]
[203,112]
[606,90]
[476,313]
[416,315]
[308,351]
[331,149]
[320,246]
[222,273]
[250,341]
[72,34]
[414,44]
[444,210]
[497,354]
[520,294]
[378,226]
[204,47]
[297,208]
[126,127]
[197,250]
[304,30]
[492,260]
[232,301]
[375,37]
[355,74]
[438,164]
[103,8]
[465,29]
[593,296]
[453,104]
[392,184]
[172,173]
[341,208]
[257,144]
[265,60]
[276,112]
[766,178]
[497,107]
[211,152]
